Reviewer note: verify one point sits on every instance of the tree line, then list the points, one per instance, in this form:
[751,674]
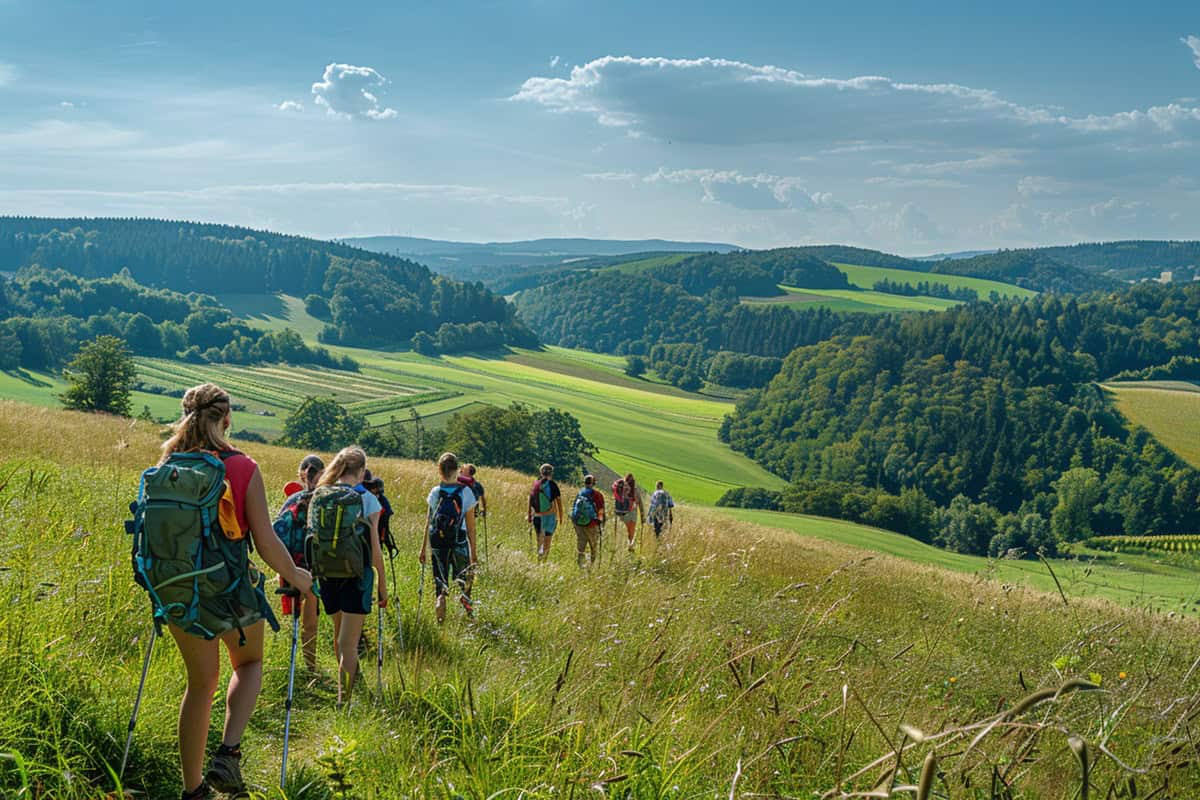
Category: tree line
[517,437]
[994,404]
[372,298]
[927,289]
[48,313]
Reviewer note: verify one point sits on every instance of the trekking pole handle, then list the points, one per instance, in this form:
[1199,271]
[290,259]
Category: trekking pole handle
[288,591]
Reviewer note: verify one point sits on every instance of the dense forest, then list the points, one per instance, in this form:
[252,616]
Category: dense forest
[1132,259]
[47,313]
[1030,269]
[374,299]
[990,411]
[696,302]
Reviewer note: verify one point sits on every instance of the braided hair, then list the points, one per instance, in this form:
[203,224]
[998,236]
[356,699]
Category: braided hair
[202,426]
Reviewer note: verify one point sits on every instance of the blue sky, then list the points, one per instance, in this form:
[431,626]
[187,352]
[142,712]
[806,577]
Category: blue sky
[912,127]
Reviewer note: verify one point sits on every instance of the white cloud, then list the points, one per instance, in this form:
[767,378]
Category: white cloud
[624,176]
[1034,185]
[1193,42]
[554,62]
[66,105]
[722,102]
[759,192]
[289,105]
[349,91]
[56,135]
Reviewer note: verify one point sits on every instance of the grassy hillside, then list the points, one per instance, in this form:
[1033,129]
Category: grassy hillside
[1130,579]
[867,277]
[730,659]
[1171,414]
[850,300]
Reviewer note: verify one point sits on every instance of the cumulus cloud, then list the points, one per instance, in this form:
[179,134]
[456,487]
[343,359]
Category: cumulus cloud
[349,91]
[289,105]
[717,101]
[1193,42]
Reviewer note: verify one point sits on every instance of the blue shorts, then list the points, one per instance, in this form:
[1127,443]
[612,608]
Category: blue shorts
[545,525]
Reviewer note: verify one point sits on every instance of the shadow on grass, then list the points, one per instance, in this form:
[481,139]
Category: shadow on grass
[26,376]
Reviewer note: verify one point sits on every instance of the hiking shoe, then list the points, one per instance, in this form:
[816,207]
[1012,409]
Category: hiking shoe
[467,605]
[225,771]
[201,792]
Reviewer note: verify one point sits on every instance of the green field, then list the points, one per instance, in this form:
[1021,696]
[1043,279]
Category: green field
[1171,414]
[644,264]
[867,277]
[1130,579]
[853,300]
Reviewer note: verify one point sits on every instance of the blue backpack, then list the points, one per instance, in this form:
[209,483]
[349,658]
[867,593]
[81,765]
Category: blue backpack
[583,511]
[446,519]
[291,522]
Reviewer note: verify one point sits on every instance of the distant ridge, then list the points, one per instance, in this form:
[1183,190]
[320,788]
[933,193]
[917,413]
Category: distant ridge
[551,248]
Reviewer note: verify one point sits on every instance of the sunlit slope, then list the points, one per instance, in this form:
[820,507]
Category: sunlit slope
[1171,414]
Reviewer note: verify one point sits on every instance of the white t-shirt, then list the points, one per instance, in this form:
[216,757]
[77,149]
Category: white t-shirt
[468,499]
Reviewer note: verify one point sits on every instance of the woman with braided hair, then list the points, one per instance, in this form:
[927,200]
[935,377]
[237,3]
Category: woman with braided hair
[206,418]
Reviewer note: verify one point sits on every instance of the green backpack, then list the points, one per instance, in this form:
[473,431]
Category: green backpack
[337,544]
[197,577]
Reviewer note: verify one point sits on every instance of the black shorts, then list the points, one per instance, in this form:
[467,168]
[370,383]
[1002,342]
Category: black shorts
[452,565]
[347,595]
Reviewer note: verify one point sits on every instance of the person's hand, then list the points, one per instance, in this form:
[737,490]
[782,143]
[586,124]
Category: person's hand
[301,580]
[421,557]
[474,563]
[383,599]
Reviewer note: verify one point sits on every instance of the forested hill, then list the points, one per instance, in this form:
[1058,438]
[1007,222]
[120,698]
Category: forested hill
[989,411]
[1029,269]
[369,298]
[1132,260]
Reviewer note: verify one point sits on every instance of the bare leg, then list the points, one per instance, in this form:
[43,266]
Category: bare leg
[203,664]
[308,627]
[245,683]
[348,633]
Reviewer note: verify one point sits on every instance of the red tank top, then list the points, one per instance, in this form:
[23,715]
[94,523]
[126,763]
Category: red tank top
[239,469]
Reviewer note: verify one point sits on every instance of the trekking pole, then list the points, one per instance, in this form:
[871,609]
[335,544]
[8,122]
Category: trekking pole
[294,594]
[399,617]
[379,653]
[485,548]
[137,703]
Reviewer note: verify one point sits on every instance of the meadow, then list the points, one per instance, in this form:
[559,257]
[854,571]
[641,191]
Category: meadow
[866,277]
[847,300]
[728,659]
[1168,409]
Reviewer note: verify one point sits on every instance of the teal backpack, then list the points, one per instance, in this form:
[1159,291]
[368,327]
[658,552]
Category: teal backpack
[198,578]
[583,511]
[337,545]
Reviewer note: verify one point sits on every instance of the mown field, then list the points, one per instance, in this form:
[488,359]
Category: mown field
[864,300]
[730,659]
[866,277]
[1168,409]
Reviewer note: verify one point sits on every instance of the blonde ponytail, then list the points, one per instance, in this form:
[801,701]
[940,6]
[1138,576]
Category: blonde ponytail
[349,459]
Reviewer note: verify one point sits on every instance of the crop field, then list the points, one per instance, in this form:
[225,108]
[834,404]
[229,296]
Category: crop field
[1171,414]
[727,659]
[1132,579]
[644,264]
[866,277]
[865,300]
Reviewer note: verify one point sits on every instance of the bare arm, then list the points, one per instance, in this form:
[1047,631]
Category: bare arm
[265,540]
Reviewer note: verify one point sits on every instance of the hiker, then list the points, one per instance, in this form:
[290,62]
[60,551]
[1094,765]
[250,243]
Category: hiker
[375,487]
[291,526]
[451,536]
[628,506]
[467,478]
[587,515]
[200,432]
[662,509]
[346,557]
[545,509]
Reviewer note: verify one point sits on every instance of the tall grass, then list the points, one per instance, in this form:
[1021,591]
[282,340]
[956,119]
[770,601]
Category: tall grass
[727,660]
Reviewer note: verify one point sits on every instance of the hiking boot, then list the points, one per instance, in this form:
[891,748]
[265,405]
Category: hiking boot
[201,792]
[467,605]
[225,771]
